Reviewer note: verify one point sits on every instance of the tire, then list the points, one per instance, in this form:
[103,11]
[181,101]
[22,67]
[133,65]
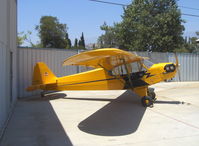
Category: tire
[147,101]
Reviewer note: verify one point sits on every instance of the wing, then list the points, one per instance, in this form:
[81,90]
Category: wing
[107,58]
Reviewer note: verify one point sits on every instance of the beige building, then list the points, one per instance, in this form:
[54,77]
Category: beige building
[8,59]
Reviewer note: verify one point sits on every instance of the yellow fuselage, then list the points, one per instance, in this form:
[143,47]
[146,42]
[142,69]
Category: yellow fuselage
[96,79]
[99,79]
[113,71]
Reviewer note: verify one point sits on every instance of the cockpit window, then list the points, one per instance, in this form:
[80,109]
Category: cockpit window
[137,67]
[131,68]
[119,70]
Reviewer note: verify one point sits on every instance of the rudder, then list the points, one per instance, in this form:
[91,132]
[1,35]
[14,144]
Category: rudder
[42,74]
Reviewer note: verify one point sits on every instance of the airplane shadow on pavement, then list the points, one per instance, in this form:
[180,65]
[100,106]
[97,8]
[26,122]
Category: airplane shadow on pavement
[121,116]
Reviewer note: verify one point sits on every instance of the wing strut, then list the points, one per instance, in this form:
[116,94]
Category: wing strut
[104,68]
[128,73]
[111,73]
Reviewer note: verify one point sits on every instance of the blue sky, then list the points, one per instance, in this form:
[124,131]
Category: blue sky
[86,16]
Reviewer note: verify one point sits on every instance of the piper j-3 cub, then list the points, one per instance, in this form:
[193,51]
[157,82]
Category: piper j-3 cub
[114,69]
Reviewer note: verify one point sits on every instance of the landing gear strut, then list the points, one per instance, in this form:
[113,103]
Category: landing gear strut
[147,101]
[151,93]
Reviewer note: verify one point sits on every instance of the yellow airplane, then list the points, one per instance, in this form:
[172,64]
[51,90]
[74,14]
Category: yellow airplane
[114,69]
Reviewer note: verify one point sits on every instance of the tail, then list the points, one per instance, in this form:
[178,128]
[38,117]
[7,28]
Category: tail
[42,75]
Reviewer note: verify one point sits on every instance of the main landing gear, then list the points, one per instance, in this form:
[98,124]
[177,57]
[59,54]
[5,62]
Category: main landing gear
[147,101]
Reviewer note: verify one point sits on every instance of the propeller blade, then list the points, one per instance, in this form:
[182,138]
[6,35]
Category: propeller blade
[178,67]
[179,75]
[177,62]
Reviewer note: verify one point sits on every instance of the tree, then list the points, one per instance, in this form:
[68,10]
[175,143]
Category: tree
[21,37]
[26,38]
[154,25]
[82,42]
[79,43]
[76,43]
[93,47]
[68,42]
[109,38]
[190,45]
[52,33]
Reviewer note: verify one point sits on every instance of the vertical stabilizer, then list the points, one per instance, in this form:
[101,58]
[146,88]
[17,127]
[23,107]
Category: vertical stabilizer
[42,74]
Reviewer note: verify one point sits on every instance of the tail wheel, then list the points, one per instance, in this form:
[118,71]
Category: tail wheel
[42,94]
[147,101]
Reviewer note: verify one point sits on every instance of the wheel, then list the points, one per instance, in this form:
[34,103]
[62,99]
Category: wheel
[147,101]
[152,95]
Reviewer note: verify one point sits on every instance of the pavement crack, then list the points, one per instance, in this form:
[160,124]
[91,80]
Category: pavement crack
[172,118]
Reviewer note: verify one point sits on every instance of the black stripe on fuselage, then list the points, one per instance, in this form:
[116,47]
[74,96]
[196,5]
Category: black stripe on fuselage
[136,83]
[89,82]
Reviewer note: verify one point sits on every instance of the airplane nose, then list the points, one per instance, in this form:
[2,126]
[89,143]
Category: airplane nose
[170,68]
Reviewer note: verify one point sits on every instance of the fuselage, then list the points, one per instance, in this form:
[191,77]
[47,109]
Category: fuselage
[101,79]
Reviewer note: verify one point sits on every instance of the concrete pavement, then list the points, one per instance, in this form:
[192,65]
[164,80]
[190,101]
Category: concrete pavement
[107,118]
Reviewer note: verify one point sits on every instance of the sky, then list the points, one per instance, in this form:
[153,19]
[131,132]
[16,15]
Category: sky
[87,16]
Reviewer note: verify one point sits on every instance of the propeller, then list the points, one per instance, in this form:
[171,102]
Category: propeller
[178,67]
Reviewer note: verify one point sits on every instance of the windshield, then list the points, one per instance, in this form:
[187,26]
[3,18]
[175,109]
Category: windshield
[148,63]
